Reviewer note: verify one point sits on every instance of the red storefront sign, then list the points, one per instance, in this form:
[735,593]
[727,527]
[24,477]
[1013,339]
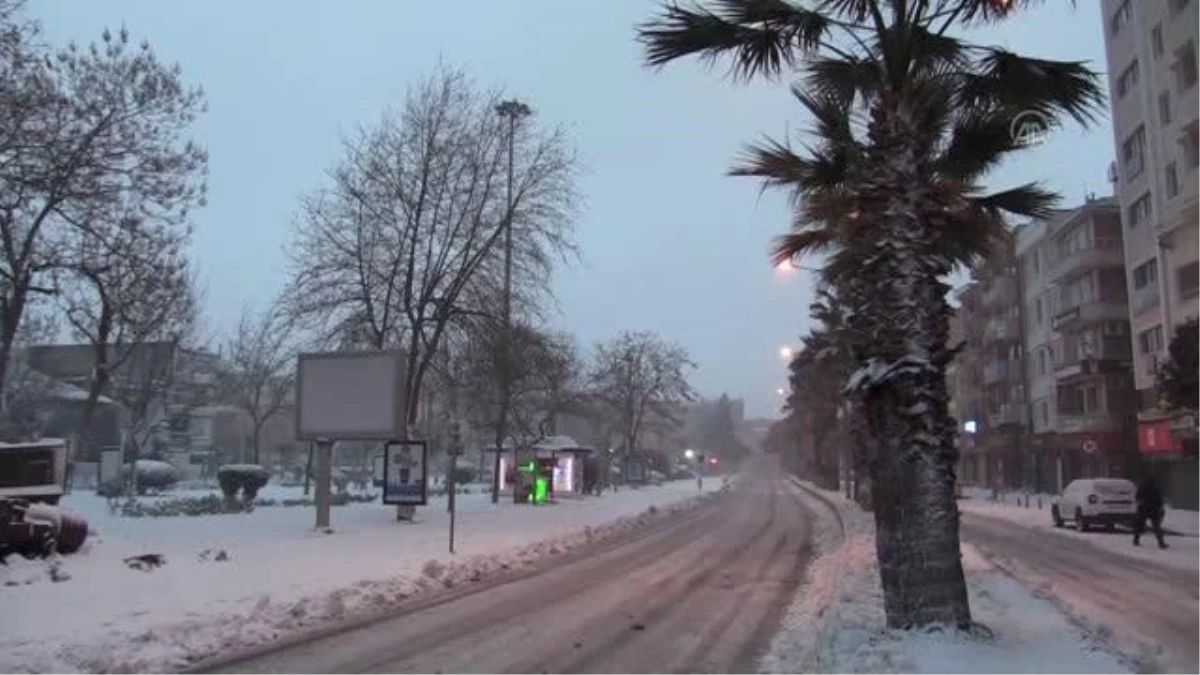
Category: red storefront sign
[1154,437]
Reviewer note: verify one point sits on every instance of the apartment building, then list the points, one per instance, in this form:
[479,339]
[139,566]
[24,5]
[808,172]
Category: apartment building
[1078,373]
[1151,49]
[989,384]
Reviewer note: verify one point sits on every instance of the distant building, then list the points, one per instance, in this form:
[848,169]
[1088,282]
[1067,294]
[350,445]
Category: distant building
[988,384]
[153,402]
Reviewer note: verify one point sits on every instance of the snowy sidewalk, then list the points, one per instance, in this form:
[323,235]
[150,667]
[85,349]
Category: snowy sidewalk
[279,576]
[1183,529]
[836,624]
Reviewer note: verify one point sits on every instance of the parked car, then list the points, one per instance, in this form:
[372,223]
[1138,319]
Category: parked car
[1096,501]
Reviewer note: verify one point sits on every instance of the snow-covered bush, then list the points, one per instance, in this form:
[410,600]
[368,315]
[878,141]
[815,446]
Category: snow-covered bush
[246,479]
[185,506]
[340,480]
[153,475]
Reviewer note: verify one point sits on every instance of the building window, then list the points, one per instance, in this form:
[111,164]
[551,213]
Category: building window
[1140,211]
[1178,5]
[1037,311]
[1133,152]
[1150,341]
[1191,146]
[1120,17]
[1156,42]
[1185,66]
[1041,362]
[1187,278]
[1128,80]
[1091,399]
[1172,179]
[1145,274]
[1164,107]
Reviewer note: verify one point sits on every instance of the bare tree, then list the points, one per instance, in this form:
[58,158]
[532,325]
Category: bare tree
[156,380]
[29,394]
[124,290]
[640,376]
[392,247]
[258,375]
[86,138]
[544,373]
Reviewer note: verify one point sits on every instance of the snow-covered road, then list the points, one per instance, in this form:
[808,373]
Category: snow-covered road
[697,593]
[1150,609]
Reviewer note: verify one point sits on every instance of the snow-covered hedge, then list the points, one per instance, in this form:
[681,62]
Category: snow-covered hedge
[152,476]
[246,479]
[185,506]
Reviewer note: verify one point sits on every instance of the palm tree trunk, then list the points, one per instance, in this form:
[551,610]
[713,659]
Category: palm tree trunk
[901,306]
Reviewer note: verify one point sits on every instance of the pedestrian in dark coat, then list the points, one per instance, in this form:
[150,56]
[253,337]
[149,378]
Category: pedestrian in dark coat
[1149,507]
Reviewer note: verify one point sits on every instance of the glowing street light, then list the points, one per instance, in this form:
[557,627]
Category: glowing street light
[689,453]
[780,391]
[786,353]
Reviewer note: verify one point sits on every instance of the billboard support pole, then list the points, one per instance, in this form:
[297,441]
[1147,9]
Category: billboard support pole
[324,481]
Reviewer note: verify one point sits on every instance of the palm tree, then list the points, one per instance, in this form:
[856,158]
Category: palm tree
[818,369]
[909,119]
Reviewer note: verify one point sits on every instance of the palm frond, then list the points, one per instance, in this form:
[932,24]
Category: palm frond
[834,118]
[792,246]
[975,145]
[972,12]
[763,36]
[1002,80]
[1031,200]
[843,79]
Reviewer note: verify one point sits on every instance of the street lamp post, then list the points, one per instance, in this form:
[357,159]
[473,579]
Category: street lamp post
[512,110]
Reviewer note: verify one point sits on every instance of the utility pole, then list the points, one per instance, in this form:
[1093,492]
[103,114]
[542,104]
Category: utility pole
[512,110]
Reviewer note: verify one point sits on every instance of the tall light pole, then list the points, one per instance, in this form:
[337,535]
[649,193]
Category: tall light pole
[512,110]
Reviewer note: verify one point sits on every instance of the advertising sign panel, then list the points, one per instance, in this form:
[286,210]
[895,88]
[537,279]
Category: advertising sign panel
[406,473]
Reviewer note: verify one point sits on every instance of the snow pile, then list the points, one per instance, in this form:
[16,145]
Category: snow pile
[1025,632]
[234,581]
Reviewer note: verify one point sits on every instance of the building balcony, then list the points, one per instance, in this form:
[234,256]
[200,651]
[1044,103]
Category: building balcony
[1068,423]
[1084,368]
[1104,252]
[1002,292]
[1177,213]
[1002,329]
[1006,414]
[1090,312]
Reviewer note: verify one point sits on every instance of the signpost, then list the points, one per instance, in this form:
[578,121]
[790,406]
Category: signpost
[456,448]
[348,396]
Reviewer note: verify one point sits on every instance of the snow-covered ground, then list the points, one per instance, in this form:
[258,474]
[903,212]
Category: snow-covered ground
[836,624]
[1183,529]
[235,580]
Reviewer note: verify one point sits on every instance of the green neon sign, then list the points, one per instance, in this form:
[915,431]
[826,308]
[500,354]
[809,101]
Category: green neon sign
[541,489]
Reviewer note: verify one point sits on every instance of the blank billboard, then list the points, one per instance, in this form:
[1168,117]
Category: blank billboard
[350,395]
